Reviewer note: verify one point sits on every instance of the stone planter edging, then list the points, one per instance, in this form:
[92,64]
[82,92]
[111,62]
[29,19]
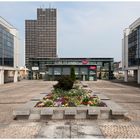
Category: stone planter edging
[28,111]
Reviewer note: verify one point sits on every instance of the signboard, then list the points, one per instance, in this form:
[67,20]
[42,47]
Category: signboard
[92,67]
[35,68]
[85,61]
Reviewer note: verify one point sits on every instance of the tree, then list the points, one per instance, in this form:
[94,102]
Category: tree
[72,73]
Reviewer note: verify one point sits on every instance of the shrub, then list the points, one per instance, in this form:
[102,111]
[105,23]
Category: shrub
[64,83]
[72,73]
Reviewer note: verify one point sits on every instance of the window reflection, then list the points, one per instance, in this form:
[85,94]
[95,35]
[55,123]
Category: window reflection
[6,47]
[133,47]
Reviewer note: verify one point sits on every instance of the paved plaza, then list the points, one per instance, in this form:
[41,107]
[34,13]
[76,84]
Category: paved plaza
[13,95]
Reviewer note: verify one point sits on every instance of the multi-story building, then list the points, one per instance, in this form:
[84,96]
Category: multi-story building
[40,39]
[131,50]
[41,53]
[9,48]
[85,68]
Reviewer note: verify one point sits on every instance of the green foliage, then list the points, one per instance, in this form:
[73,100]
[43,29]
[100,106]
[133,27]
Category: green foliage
[75,100]
[70,98]
[48,103]
[71,93]
[85,99]
[72,73]
[63,95]
[59,92]
[64,83]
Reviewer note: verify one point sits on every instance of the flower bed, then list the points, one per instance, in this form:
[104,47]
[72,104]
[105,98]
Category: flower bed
[71,98]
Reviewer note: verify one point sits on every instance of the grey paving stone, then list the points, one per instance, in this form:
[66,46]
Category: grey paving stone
[112,105]
[46,111]
[21,112]
[70,129]
[104,114]
[93,111]
[118,112]
[81,114]
[54,130]
[102,97]
[21,117]
[70,112]
[35,111]
[29,105]
[38,98]
[95,92]
[34,117]
[89,131]
[58,114]
[44,93]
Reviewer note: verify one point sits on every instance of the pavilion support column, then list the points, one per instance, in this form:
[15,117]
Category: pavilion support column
[138,79]
[126,75]
[1,77]
[135,72]
[84,77]
[15,76]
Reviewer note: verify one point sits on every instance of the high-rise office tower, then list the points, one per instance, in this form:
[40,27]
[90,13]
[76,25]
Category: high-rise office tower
[40,38]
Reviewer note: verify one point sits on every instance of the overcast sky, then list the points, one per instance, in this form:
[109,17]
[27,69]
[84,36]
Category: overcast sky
[85,29]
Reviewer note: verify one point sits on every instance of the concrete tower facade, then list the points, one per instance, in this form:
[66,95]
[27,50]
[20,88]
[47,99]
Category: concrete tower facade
[41,38]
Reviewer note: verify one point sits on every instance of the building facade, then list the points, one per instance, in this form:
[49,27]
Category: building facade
[40,38]
[85,68]
[131,50]
[9,48]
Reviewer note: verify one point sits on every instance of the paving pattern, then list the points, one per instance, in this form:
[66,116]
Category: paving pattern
[14,94]
[120,129]
[20,130]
